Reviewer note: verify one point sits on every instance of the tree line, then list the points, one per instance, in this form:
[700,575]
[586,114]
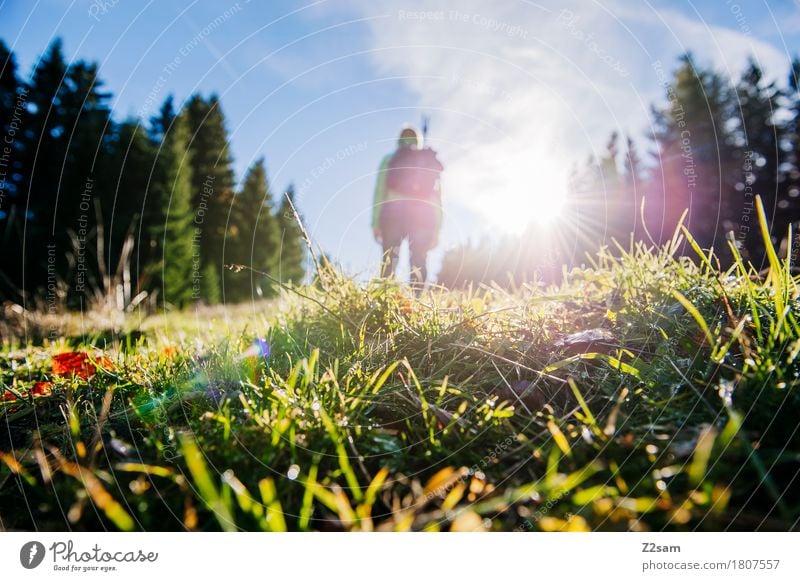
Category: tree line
[715,145]
[99,212]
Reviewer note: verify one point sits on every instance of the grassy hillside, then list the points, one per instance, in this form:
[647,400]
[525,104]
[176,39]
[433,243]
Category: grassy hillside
[647,392]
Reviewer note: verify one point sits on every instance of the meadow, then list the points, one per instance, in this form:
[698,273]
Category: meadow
[648,391]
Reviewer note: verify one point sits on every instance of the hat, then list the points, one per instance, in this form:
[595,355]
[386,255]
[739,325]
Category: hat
[409,137]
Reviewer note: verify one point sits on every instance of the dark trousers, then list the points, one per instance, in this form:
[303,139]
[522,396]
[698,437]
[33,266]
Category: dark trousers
[412,220]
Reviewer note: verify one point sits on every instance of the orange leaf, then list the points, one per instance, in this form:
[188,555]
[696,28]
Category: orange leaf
[169,351]
[41,388]
[76,363]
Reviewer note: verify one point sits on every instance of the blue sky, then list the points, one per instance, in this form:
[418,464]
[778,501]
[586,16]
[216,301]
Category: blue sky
[517,90]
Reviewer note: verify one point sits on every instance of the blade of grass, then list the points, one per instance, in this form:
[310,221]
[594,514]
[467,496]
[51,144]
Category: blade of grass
[205,486]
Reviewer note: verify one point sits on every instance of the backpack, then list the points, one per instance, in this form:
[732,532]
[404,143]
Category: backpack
[414,173]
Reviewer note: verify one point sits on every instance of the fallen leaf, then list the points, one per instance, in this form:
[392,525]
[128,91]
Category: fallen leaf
[596,340]
[77,363]
[41,388]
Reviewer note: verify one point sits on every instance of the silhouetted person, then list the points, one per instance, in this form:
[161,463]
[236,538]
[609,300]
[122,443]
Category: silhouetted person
[408,205]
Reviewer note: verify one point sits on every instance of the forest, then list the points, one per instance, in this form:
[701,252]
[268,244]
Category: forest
[145,205]
[107,214]
[714,145]
[631,365]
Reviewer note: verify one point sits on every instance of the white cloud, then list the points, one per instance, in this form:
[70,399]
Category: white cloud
[519,91]
[727,49]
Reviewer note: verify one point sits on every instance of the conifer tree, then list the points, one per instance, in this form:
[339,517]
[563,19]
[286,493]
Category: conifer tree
[257,236]
[212,180]
[64,148]
[160,123]
[45,138]
[758,136]
[788,207]
[694,160]
[210,289]
[13,95]
[125,181]
[178,271]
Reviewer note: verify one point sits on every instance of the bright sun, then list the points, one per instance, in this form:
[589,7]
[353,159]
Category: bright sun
[526,200]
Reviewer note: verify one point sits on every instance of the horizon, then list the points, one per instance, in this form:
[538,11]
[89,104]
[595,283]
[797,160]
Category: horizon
[322,91]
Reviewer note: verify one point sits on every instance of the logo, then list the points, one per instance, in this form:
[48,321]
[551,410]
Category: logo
[31,554]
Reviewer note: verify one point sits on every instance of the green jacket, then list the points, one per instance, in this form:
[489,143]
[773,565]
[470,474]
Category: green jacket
[382,195]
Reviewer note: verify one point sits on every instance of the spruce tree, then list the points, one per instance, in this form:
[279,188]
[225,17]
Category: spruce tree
[44,147]
[179,270]
[13,117]
[788,208]
[210,286]
[694,160]
[125,181]
[257,236]
[758,136]
[87,131]
[64,148]
[212,179]
[150,229]
[160,123]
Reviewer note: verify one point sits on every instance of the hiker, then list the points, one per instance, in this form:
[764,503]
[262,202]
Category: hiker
[408,205]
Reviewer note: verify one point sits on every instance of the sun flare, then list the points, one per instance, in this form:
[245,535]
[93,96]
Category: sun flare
[525,199]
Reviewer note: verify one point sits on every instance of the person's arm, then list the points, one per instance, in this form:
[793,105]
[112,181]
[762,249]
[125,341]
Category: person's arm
[380,194]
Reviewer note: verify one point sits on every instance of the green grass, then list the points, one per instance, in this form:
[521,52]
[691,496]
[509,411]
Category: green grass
[380,411]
